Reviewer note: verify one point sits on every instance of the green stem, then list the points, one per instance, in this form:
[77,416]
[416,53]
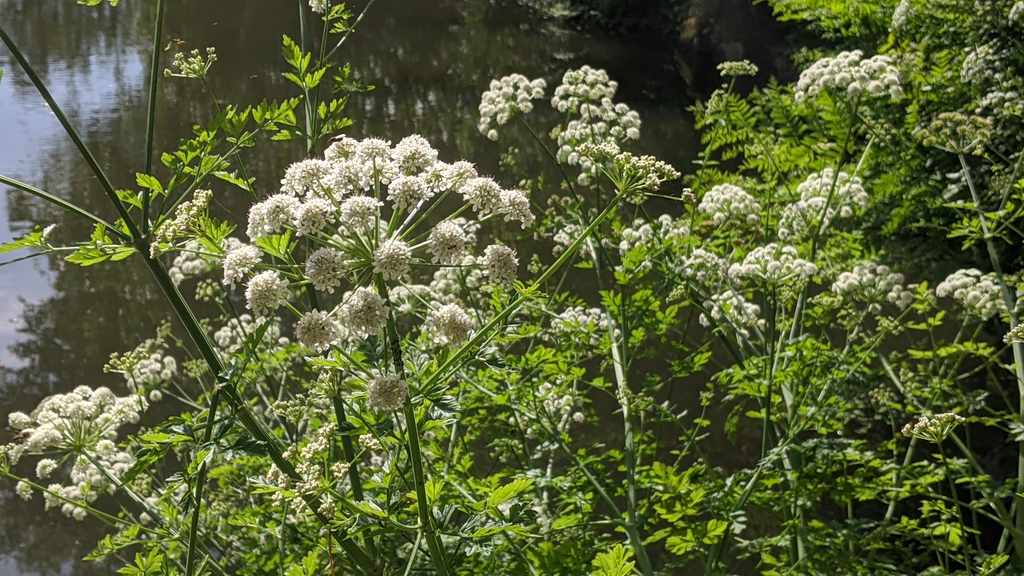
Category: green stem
[427,525]
[154,79]
[959,513]
[60,202]
[200,484]
[1018,349]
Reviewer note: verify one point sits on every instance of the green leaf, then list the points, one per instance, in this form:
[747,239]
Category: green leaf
[33,239]
[614,562]
[503,494]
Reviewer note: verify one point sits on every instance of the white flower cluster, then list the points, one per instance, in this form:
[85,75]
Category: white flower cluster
[578,321]
[901,15]
[585,96]
[83,422]
[978,293]
[318,6]
[363,312]
[983,64]
[933,428]
[560,408]
[730,204]
[729,309]
[449,324]
[233,335]
[500,263]
[873,284]
[506,97]
[386,393]
[842,193]
[646,236]
[773,264]
[705,269]
[848,73]
[189,262]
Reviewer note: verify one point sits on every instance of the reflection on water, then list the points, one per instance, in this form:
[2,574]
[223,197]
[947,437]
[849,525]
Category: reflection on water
[429,60]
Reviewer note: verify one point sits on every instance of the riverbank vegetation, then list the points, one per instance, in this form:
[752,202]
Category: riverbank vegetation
[799,354]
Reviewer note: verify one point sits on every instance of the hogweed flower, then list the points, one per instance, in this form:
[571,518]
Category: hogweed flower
[1015,335]
[730,309]
[849,74]
[392,259]
[266,292]
[633,176]
[934,428]
[325,268]
[873,284]
[187,216]
[500,263]
[957,133]
[773,264]
[363,312]
[585,96]
[239,262]
[449,325]
[505,98]
[977,293]
[737,68]
[386,393]
[194,65]
[824,196]
[728,203]
[316,330]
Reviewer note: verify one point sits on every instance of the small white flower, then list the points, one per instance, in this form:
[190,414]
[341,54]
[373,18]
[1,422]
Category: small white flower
[728,203]
[501,263]
[392,259]
[325,268]
[447,242]
[19,420]
[266,292]
[272,215]
[24,490]
[239,262]
[359,213]
[312,216]
[45,467]
[407,191]
[386,393]
[449,324]
[363,312]
[413,154]
[315,329]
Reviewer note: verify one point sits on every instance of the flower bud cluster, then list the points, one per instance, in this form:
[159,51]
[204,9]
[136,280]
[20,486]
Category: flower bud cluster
[848,73]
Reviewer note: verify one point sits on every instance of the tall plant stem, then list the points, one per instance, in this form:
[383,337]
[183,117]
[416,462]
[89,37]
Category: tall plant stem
[618,367]
[60,202]
[154,79]
[964,540]
[1010,300]
[412,431]
[197,503]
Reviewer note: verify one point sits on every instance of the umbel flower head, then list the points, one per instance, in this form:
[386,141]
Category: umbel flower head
[386,393]
[957,133]
[505,98]
[933,428]
[849,74]
[1015,335]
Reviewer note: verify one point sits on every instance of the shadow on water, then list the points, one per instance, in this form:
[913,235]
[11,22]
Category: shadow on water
[429,61]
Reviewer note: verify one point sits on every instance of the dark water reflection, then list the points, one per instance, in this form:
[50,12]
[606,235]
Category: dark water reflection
[428,59]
